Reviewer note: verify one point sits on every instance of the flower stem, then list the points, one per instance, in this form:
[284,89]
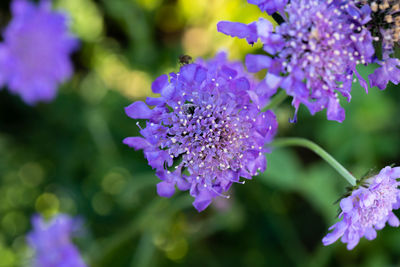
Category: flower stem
[293,141]
[278,99]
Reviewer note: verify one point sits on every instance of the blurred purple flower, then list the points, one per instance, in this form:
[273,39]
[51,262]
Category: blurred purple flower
[52,244]
[313,54]
[367,209]
[206,129]
[34,57]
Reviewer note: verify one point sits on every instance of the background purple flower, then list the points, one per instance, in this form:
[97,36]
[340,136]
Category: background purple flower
[34,57]
[367,209]
[313,54]
[385,28]
[206,129]
[52,244]
[384,23]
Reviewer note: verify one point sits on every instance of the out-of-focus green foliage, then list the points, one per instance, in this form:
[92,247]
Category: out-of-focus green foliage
[67,156]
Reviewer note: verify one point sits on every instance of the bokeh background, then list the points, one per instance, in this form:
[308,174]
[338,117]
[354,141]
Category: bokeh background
[67,156]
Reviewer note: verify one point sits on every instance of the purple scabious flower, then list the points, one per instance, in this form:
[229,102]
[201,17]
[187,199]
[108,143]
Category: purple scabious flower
[385,29]
[313,54]
[52,244]
[206,129]
[367,209]
[34,57]
[270,6]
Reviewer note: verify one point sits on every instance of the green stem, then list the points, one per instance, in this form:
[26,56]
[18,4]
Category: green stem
[276,100]
[293,141]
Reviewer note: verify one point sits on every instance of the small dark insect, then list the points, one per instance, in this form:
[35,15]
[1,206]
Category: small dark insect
[184,59]
[189,109]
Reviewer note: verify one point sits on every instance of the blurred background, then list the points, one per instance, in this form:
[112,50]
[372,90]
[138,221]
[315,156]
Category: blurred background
[67,156]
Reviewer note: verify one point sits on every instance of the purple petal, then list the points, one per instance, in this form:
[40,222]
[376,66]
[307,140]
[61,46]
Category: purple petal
[346,204]
[380,225]
[159,84]
[188,72]
[242,84]
[339,229]
[136,142]
[335,112]
[269,6]
[200,75]
[168,92]
[366,14]
[203,200]
[182,184]
[264,30]
[240,30]
[138,110]
[255,63]
[273,81]
[273,44]
[155,101]
[229,72]
[362,81]
[262,94]
[393,220]
[379,78]
[255,161]
[370,234]
[267,125]
[395,173]
[157,159]
[353,242]
[165,189]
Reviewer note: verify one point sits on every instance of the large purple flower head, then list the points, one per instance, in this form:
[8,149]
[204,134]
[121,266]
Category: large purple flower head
[385,28]
[313,54]
[367,209]
[205,131]
[34,57]
[51,241]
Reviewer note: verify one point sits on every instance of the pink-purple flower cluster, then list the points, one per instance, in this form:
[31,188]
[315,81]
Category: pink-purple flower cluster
[313,54]
[368,209]
[206,130]
[51,242]
[34,57]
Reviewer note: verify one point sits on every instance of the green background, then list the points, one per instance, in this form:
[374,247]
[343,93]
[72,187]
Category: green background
[67,155]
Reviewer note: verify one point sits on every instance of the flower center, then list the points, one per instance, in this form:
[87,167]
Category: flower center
[206,137]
